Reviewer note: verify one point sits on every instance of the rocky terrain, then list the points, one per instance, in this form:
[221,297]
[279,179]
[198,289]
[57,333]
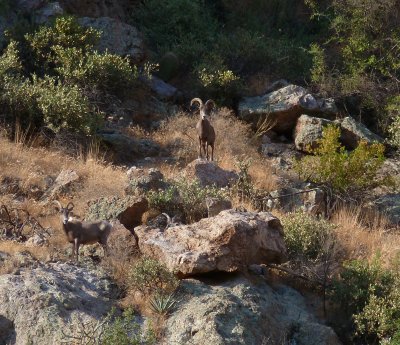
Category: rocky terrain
[249,249]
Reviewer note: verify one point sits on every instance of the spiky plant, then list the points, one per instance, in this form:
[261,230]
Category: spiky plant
[162,303]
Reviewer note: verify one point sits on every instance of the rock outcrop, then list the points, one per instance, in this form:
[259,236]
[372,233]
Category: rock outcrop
[95,8]
[283,107]
[209,174]
[226,242]
[239,313]
[116,37]
[38,303]
[143,180]
[353,132]
[128,210]
[308,131]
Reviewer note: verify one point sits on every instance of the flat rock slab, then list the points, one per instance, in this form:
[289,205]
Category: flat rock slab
[239,313]
[226,242]
[42,301]
[209,174]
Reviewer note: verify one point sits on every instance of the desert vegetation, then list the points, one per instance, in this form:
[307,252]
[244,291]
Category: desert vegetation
[85,126]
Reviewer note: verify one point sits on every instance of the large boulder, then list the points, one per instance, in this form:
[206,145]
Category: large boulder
[209,174]
[306,197]
[283,107]
[48,12]
[226,242]
[63,181]
[308,131]
[239,313]
[141,181]
[353,132]
[95,8]
[124,147]
[389,206]
[40,302]
[128,210]
[117,37]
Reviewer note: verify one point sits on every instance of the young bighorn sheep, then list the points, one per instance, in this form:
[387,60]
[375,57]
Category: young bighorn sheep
[82,232]
[204,128]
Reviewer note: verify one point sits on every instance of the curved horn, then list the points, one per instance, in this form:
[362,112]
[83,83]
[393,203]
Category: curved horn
[70,203]
[168,218]
[58,204]
[198,100]
[210,105]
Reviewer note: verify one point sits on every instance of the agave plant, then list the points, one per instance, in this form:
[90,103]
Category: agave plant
[162,303]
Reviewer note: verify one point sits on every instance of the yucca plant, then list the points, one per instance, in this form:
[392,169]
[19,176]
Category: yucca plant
[162,303]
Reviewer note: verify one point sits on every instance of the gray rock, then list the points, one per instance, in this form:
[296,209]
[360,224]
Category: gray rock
[283,107]
[128,210]
[42,301]
[48,12]
[308,131]
[216,206]
[225,242]
[125,147]
[63,181]
[238,313]
[36,241]
[117,37]
[389,205]
[209,173]
[96,8]
[29,5]
[353,132]
[144,180]
[162,89]
[306,198]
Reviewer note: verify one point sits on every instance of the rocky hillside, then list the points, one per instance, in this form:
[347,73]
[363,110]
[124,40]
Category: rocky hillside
[290,236]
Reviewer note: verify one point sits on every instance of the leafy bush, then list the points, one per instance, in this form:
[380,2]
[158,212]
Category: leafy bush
[149,277]
[340,170]
[305,235]
[184,196]
[124,330]
[393,108]
[65,33]
[109,330]
[104,71]
[371,295]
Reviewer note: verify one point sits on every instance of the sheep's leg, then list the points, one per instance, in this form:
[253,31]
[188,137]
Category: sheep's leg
[204,148]
[200,147]
[207,156]
[76,249]
[212,152]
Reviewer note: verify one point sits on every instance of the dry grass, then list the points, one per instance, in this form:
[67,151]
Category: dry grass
[234,142]
[361,241]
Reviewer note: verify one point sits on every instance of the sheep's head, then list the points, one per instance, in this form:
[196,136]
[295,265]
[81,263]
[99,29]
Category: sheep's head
[205,109]
[64,211]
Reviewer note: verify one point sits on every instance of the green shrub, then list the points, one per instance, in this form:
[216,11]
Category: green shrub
[393,109]
[65,33]
[109,330]
[305,235]
[149,277]
[124,330]
[186,197]
[107,72]
[340,170]
[371,295]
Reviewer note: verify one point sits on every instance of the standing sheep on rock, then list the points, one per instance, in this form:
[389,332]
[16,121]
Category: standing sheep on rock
[82,232]
[204,128]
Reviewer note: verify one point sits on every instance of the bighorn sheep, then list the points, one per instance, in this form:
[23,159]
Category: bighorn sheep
[204,128]
[174,221]
[82,232]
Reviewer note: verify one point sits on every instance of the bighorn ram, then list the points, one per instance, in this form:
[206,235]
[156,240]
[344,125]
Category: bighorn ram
[82,232]
[204,128]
